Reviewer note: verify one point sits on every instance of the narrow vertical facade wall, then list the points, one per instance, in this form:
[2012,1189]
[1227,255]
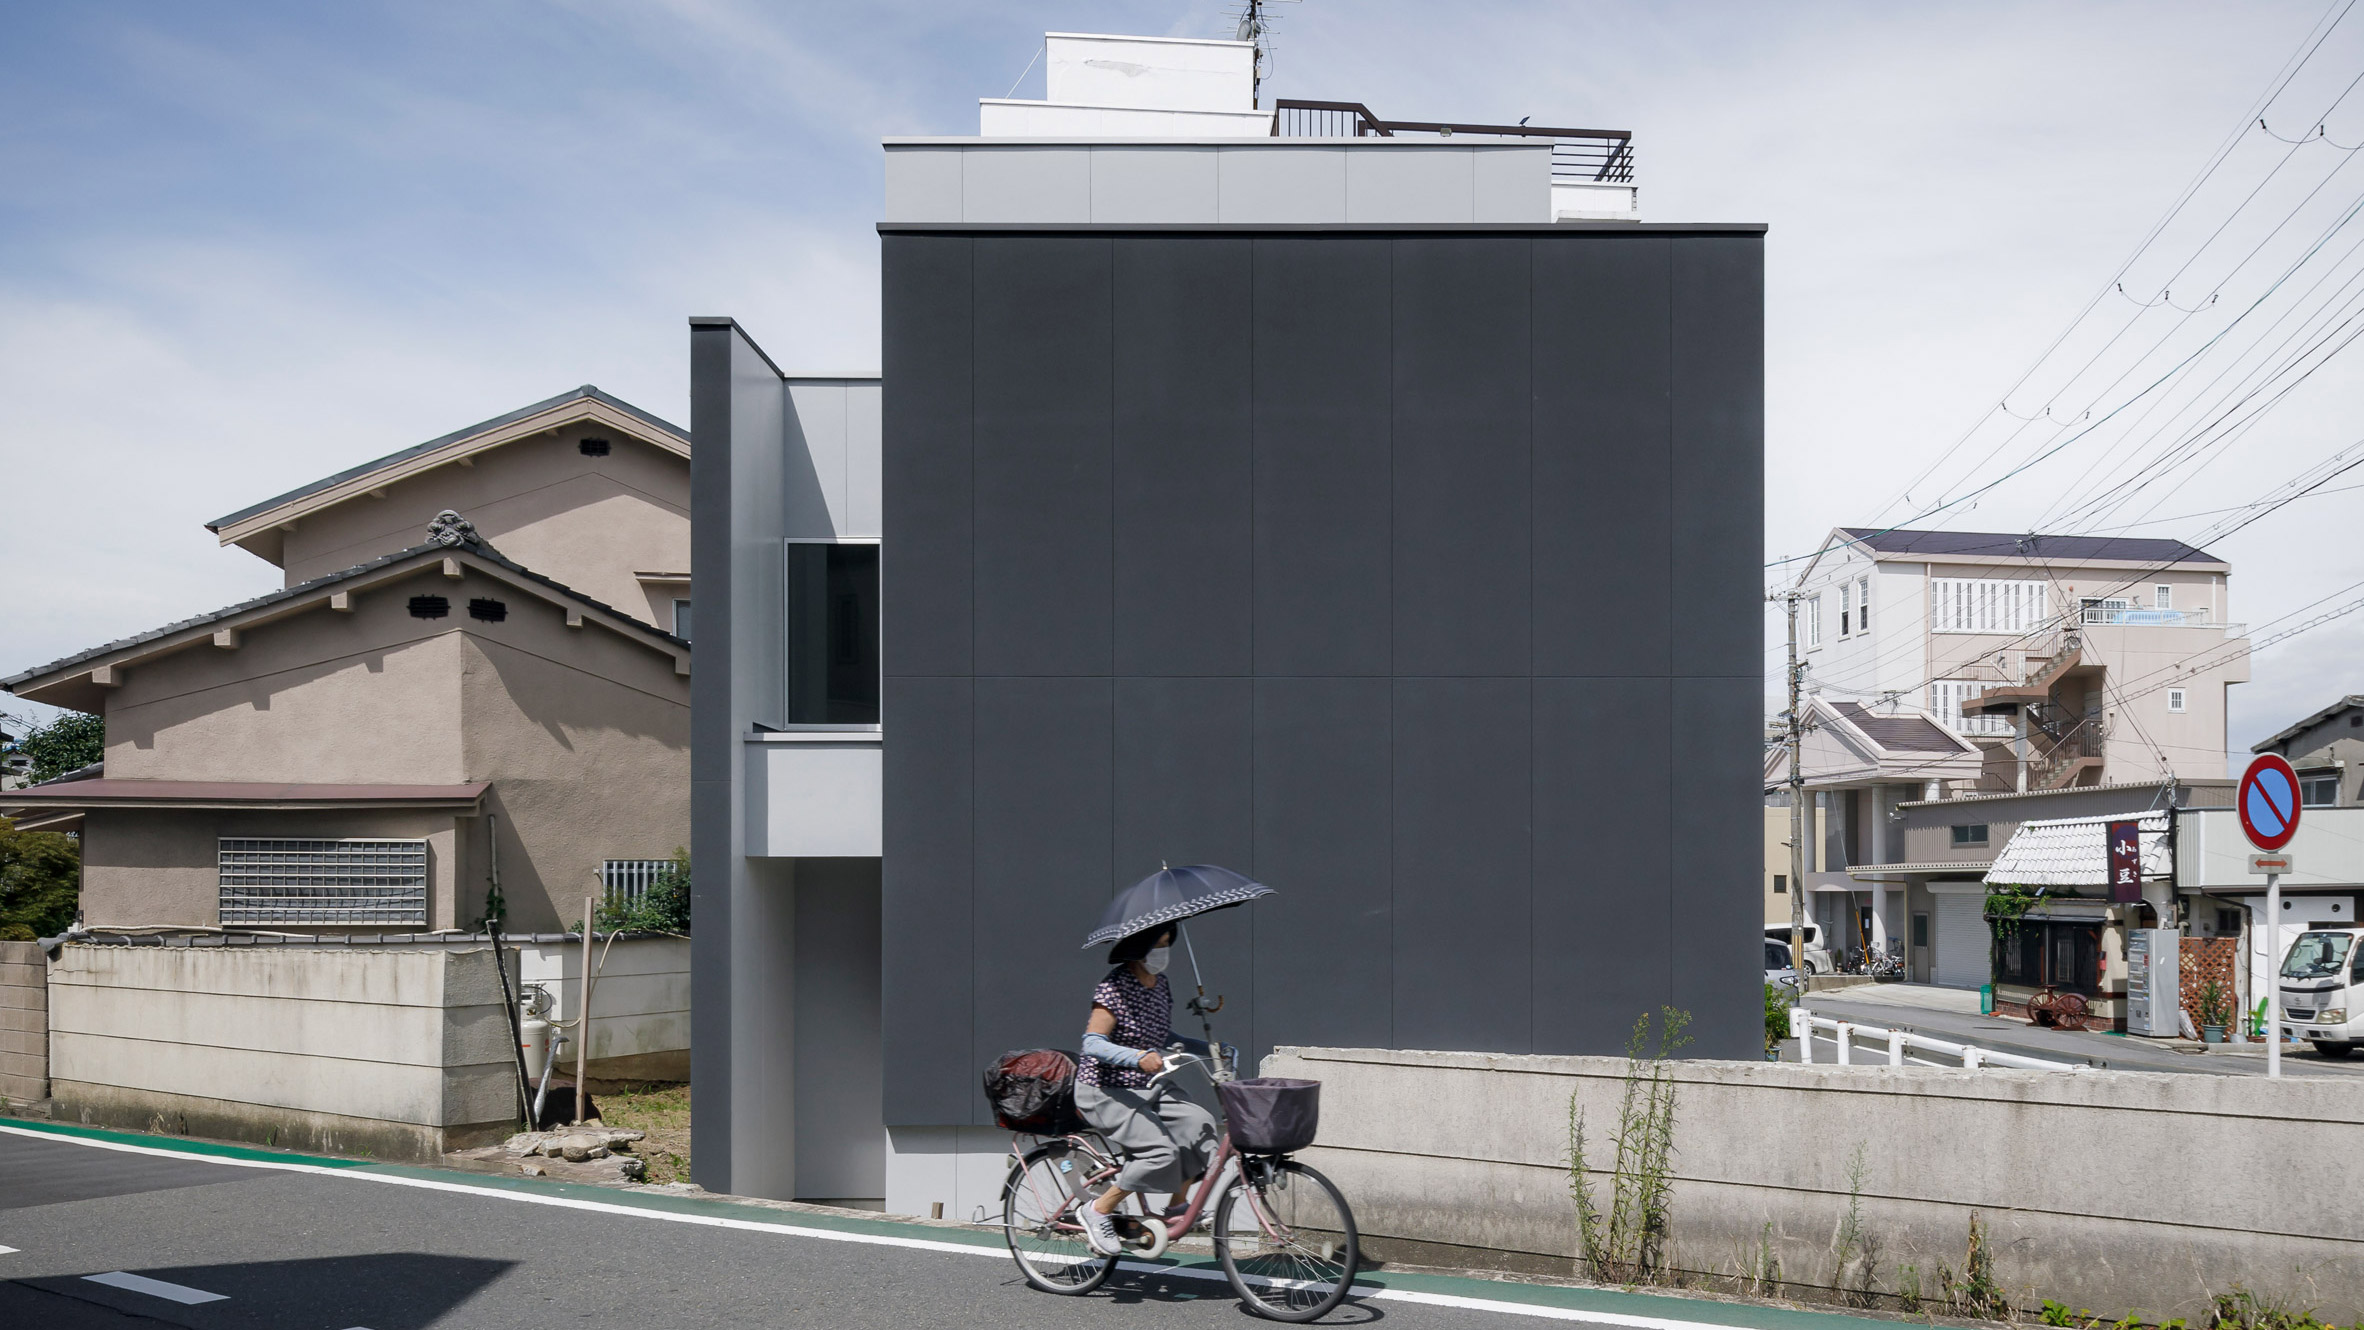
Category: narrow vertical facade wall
[24,1022]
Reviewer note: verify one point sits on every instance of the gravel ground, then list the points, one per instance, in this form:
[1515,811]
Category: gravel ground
[662,1109]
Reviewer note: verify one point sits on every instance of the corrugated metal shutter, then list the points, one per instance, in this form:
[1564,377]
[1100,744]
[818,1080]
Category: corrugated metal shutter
[1962,954]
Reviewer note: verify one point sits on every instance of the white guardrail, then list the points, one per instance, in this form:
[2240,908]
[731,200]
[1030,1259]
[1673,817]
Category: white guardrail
[1902,1043]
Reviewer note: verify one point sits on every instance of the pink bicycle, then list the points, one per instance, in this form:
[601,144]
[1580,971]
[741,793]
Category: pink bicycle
[1282,1231]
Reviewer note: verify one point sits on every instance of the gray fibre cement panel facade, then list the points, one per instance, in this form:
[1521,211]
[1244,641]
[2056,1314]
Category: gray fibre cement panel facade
[1412,572]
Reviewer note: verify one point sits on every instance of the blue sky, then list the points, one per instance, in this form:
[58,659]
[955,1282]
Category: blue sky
[245,246]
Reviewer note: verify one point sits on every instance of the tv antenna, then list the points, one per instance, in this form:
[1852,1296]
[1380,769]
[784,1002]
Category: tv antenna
[1255,25]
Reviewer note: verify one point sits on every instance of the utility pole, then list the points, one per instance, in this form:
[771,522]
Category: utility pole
[1797,803]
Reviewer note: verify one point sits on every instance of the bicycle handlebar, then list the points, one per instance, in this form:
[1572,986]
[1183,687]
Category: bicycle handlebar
[1175,1062]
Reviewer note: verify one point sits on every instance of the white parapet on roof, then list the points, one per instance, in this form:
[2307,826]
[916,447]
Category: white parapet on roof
[1097,85]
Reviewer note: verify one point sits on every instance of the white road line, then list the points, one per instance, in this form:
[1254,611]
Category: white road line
[157,1288]
[833,1235]
[7,1251]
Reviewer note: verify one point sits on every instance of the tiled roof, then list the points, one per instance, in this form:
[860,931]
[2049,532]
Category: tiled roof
[474,547]
[2284,736]
[104,792]
[2075,852]
[1904,734]
[587,391]
[2004,545]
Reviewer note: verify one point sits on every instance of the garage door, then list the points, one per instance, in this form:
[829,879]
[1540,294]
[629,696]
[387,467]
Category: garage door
[1963,943]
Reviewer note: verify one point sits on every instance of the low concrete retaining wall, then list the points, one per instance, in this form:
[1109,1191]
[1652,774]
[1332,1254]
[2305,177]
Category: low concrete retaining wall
[2115,1191]
[24,1022]
[401,1053]
[640,1006]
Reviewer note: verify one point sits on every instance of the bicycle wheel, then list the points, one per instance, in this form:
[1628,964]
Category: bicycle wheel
[1287,1240]
[1038,1221]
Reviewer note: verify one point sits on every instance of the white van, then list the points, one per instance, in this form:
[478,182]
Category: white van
[2323,990]
[1818,959]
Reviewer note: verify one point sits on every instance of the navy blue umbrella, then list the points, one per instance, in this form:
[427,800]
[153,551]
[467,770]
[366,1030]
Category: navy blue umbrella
[1170,895]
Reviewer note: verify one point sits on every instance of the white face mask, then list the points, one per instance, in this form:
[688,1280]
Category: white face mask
[1155,961]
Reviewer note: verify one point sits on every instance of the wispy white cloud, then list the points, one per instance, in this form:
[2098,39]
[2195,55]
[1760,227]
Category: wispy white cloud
[243,248]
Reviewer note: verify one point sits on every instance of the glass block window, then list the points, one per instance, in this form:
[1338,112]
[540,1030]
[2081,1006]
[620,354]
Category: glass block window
[324,881]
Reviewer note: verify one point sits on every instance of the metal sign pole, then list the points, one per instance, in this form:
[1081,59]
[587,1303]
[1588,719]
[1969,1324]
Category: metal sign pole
[2273,974]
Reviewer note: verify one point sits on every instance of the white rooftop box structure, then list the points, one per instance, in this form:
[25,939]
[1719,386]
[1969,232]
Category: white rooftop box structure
[1102,86]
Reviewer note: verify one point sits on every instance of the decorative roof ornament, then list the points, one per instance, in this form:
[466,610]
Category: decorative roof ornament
[449,528]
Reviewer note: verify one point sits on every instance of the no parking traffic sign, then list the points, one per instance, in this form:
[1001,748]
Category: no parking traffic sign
[2268,803]
[2268,806]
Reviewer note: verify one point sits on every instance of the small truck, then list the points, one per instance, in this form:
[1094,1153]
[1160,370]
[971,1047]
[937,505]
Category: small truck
[2323,990]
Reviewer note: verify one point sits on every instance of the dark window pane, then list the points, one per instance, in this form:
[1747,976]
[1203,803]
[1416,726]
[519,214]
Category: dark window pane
[832,634]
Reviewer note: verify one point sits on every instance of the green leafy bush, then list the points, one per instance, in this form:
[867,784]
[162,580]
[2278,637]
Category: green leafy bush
[663,908]
[40,882]
[1777,1002]
[69,743]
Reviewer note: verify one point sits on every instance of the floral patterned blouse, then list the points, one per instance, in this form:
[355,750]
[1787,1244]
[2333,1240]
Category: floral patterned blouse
[1144,1020]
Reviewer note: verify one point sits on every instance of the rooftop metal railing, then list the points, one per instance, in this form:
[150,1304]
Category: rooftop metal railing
[1601,155]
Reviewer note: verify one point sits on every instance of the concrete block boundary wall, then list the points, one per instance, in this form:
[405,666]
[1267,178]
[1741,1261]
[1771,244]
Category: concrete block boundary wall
[2115,1191]
[399,1054]
[24,1023]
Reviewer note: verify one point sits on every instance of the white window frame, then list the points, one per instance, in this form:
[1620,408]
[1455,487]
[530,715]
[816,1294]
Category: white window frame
[1813,618]
[1846,608]
[318,881]
[803,726]
[1993,606]
[1946,697]
[2175,700]
[2162,596]
[1863,603]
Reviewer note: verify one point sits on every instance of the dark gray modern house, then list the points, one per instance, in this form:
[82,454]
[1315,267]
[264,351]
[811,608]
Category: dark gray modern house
[1334,508]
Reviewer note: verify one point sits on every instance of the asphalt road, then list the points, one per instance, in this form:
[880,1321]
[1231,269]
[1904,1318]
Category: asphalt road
[110,1239]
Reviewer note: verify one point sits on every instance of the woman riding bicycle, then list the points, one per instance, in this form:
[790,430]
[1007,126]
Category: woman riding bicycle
[1167,1140]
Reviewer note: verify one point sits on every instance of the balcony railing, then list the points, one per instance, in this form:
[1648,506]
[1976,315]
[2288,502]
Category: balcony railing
[2135,616]
[1595,155]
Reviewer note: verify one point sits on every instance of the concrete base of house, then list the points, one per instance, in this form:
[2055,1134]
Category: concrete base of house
[608,1075]
[260,1124]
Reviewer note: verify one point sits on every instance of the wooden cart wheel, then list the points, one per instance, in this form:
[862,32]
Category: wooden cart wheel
[2070,1011]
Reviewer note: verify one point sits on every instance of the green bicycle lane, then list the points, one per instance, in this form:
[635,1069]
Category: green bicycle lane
[1637,1310]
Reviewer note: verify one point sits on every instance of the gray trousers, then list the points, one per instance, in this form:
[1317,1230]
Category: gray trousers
[1165,1137]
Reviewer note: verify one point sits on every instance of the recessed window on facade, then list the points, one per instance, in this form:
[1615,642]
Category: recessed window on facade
[1970,835]
[832,634]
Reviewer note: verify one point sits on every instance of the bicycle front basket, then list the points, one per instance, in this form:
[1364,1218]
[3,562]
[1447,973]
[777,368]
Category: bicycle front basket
[1270,1115]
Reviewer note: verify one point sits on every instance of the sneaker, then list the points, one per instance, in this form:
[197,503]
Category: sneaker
[1099,1231]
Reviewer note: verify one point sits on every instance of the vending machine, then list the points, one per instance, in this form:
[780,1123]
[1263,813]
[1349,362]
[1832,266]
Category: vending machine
[2154,991]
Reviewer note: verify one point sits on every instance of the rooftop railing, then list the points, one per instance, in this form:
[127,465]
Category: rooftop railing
[2133,615]
[1601,155]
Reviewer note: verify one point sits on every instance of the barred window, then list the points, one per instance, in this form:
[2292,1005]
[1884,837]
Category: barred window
[627,880]
[324,881]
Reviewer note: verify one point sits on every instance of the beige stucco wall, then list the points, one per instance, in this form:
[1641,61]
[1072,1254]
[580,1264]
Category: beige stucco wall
[142,868]
[370,696]
[588,522]
[584,733]
[586,739]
